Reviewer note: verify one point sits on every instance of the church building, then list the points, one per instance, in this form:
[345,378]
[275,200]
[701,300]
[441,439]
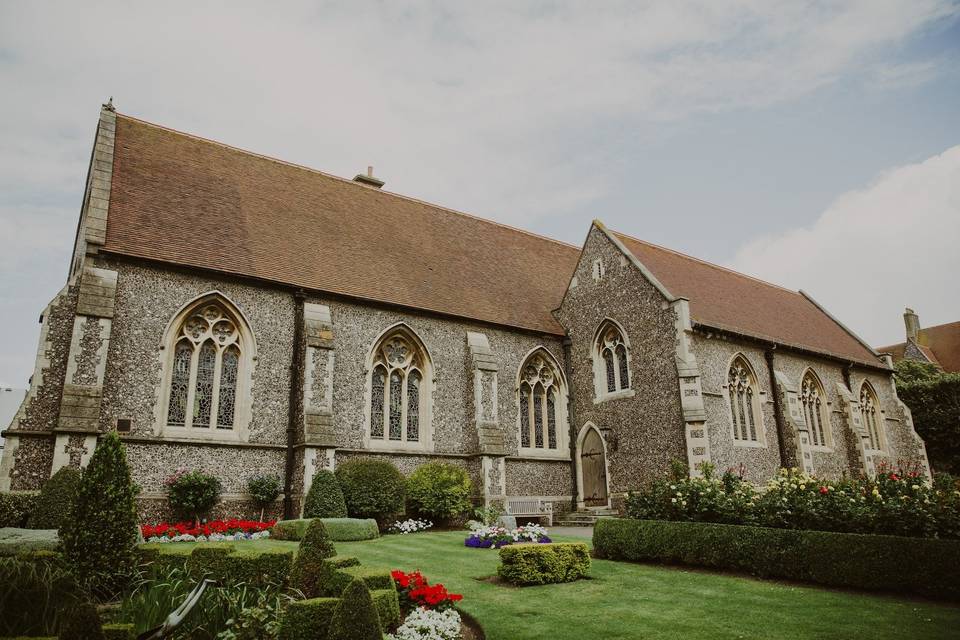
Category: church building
[233,313]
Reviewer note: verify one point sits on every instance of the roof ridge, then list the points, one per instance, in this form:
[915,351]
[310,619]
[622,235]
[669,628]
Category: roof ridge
[708,263]
[347,180]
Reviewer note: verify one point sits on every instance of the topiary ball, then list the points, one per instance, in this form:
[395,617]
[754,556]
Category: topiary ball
[325,498]
[56,499]
[309,569]
[371,488]
[355,617]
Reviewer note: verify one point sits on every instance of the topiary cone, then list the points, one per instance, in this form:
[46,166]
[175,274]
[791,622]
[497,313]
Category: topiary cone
[355,617]
[325,498]
[308,567]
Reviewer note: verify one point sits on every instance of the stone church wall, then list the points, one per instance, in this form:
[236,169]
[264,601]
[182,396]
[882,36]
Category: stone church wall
[643,431]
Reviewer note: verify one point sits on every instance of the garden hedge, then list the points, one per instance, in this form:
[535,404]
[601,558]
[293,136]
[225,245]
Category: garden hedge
[374,578]
[16,507]
[55,501]
[356,617]
[935,405]
[18,541]
[324,499]
[119,631]
[311,618]
[372,488]
[922,566]
[544,563]
[339,529]
[221,562]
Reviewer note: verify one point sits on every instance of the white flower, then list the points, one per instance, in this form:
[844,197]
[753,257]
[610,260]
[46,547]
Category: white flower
[428,624]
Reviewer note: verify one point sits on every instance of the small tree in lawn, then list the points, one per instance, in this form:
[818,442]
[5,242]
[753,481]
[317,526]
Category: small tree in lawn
[192,493]
[264,490]
[100,534]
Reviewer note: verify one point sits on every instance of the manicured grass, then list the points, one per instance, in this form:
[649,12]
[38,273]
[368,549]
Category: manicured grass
[635,601]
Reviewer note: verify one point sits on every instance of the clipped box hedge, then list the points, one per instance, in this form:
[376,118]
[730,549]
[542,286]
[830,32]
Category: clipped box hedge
[544,563]
[222,562]
[372,577]
[924,566]
[311,618]
[16,507]
[339,529]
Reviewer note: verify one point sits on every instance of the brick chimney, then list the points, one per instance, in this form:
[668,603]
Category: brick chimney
[912,323]
[368,179]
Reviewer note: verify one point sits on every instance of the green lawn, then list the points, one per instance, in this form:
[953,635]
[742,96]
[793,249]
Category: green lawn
[638,601]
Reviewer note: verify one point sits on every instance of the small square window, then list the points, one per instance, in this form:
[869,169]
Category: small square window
[123,425]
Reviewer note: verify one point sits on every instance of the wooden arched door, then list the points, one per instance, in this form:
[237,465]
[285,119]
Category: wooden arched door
[593,467]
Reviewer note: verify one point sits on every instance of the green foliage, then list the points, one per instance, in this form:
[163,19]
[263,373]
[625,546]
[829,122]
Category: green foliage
[56,499]
[192,494]
[325,498]
[100,536]
[488,515]
[339,529]
[374,578]
[440,490]
[16,506]
[34,589]
[308,618]
[895,502]
[309,568]
[371,488]
[118,631]
[387,604]
[259,621]
[264,489]
[17,541]
[912,371]
[82,622]
[356,617]
[934,401]
[248,567]
[921,566]
[552,563]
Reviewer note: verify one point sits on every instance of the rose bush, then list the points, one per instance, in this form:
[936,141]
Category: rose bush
[414,591]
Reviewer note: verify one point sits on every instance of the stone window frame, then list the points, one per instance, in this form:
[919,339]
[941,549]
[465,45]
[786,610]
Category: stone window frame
[597,347]
[823,414]
[559,382]
[246,343]
[598,270]
[756,403]
[425,369]
[875,429]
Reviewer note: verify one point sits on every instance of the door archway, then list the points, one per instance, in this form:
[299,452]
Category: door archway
[592,468]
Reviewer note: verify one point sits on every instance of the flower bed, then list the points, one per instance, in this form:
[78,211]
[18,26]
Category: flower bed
[415,591]
[410,526]
[495,537]
[213,531]
[429,624]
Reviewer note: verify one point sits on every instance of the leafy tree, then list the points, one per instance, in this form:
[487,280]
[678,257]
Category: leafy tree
[934,400]
[100,535]
[440,490]
[325,498]
[911,371]
[264,489]
[371,488]
[192,493]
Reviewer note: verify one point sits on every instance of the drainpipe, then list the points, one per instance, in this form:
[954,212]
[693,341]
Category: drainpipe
[568,372]
[295,407]
[777,409]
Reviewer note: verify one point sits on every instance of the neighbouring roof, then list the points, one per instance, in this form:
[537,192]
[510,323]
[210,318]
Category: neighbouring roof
[181,199]
[940,344]
[185,200]
[732,301]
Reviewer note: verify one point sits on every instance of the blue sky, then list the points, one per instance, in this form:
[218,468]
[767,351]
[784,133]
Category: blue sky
[811,144]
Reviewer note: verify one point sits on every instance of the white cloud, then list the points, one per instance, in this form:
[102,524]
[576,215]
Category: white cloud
[876,250]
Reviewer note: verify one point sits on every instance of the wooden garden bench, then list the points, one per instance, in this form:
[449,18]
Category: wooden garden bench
[530,507]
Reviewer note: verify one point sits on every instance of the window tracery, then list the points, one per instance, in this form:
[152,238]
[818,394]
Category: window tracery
[744,405]
[398,394]
[541,396]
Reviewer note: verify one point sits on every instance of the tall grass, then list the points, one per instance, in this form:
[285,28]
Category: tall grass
[34,593]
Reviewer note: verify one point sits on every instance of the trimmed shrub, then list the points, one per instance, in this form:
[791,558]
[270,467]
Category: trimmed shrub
[307,618]
[82,622]
[387,604]
[440,490]
[371,488]
[325,498]
[264,490]
[934,402]
[356,617]
[119,631]
[251,567]
[16,506]
[191,494]
[338,580]
[100,536]
[544,563]
[56,499]
[17,541]
[339,529]
[915,565]
[309,569]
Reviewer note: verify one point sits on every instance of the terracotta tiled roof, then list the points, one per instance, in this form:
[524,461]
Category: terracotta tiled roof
[941,344]
[181,199]
[733,301]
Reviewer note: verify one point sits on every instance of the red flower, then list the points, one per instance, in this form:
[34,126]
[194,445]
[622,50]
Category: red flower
[824,490]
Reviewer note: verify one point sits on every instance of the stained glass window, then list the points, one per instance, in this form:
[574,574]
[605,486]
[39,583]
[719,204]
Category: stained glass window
[180,384]
[226,405]
[399,363]
[203,396]
[811,396]
[538,417]
[621,352]
[611,372]
[610,354]
[539,404]
[376,403]
[740,391]
[525,417]
[869,415]
[552,419]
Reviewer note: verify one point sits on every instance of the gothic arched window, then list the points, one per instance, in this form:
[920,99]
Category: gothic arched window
[815,413]
[542,405]
[871,416]
[399,394]
[611,360]
[205,385]
[743,398]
